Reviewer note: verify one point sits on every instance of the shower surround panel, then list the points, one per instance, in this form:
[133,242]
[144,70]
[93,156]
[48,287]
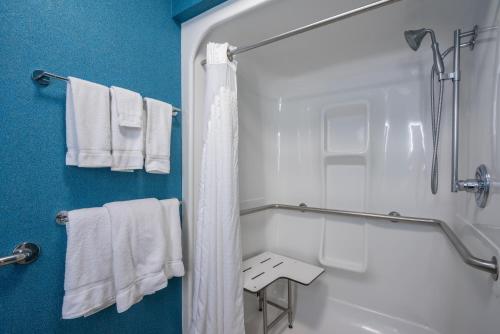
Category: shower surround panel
[341,120]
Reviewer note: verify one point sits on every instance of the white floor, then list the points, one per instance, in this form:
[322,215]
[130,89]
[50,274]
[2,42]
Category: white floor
[336,317]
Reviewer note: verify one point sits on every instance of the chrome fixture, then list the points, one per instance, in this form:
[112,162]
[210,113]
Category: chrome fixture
[414,38]
[62,216]
[24,253]
[394,214]
[297,31]
[489,266]
[43,78]
[481,184]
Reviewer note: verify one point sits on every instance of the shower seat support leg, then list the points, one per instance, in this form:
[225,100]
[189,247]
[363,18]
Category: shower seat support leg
[290,305]
[260,301]
[263,295]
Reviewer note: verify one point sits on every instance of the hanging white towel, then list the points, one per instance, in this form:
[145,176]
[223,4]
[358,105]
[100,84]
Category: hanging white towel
[172,226]
[128,105]
[217,278]
[139,250]
[126,130]
[88,277]
[88,129]
[158,134]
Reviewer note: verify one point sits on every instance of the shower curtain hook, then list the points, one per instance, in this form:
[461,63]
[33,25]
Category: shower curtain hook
[229,54]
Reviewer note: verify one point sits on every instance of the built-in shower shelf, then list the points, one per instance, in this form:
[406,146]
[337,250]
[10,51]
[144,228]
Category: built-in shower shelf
[346,155]
[345,128]
[343,244]
[345,146]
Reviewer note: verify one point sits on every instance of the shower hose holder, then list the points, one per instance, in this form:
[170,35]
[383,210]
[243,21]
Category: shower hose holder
[480,185]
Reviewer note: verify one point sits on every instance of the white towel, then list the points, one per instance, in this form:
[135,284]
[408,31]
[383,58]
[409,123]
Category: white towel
[126,130]
[158,133]
[128,105]
[88,277]
[172,226]
[139,250]
[88,129]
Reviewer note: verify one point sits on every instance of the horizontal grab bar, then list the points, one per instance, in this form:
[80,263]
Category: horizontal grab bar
[475,262]
[11,259]
[24,253]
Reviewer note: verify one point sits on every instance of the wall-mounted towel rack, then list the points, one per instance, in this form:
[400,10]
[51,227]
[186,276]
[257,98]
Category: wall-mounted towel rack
[490,266]
[62,216]
[42,78]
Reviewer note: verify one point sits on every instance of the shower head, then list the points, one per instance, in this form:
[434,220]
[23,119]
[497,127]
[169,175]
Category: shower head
[415,37]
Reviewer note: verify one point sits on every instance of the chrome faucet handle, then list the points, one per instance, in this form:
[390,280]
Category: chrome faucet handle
[470,185]
[480,186]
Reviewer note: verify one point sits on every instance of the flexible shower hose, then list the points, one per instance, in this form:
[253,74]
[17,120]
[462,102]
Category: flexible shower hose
[436,127]
[436,123]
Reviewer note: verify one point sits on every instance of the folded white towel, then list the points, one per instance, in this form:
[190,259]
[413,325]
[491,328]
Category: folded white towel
[126,130]
[139,250]
[158,133]
[172,226]
[88,129]
[128,105]
[88,277]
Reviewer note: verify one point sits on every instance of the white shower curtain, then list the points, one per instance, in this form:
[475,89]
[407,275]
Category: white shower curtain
[217,277]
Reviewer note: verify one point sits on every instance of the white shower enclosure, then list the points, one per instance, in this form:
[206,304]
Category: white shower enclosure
[339,118]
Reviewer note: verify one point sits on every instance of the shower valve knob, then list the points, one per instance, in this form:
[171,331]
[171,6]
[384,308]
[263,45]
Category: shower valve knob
[480,186]
[470,185]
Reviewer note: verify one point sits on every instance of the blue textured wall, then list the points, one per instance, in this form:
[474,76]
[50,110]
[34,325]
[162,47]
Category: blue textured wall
[132,44]
[183,10]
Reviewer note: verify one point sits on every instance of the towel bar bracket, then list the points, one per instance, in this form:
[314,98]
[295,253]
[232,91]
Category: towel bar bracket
[42,77]
[62,217]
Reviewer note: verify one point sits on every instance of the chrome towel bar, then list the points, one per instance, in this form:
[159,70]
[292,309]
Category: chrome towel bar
[62,216]
[24,253]
[490,266]
[42,78]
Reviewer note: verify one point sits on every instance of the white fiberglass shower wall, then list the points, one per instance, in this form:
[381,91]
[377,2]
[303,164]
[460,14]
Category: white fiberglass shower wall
[339,118]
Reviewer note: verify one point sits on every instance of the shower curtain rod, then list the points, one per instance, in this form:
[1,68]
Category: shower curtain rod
[489,266]
[297,31]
